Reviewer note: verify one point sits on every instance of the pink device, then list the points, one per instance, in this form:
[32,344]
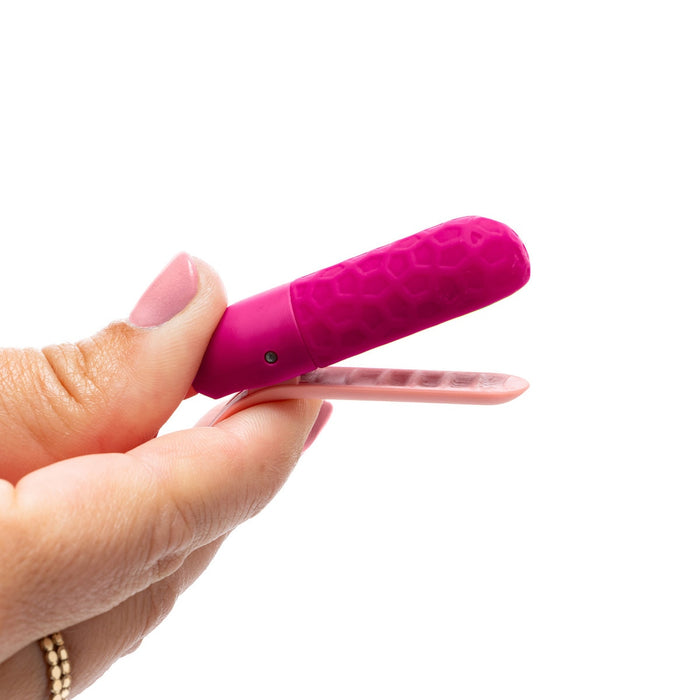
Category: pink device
[270,346]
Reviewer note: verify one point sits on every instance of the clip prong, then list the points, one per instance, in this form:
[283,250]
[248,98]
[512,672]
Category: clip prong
[372,384]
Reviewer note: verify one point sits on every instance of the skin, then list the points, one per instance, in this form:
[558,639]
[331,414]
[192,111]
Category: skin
[102,524]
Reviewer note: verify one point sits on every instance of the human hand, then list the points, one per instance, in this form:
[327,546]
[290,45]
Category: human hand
[103,525]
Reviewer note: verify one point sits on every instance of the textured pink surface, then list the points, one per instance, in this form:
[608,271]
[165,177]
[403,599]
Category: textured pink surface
[318,320]
[417,282]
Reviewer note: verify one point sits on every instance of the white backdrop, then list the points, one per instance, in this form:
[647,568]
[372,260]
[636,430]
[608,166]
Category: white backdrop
[548,548]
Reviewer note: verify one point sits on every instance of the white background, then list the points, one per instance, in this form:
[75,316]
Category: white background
[548,548]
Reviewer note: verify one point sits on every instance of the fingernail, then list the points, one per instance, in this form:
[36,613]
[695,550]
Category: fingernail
[168,294]
[323,415]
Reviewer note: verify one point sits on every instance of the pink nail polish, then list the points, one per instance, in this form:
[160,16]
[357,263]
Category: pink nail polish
[168,294]
[323,415]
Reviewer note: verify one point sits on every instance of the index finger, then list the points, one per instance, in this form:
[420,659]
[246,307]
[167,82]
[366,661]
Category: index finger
[82,535]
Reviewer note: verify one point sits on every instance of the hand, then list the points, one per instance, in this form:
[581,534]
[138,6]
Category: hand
[103,525]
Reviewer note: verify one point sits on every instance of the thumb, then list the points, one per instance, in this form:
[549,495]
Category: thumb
[114,390]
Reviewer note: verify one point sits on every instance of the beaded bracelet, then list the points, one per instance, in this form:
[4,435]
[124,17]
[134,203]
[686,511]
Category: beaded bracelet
[58,664]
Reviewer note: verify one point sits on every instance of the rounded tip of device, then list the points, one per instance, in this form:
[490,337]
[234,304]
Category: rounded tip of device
[516,385]
[503,260]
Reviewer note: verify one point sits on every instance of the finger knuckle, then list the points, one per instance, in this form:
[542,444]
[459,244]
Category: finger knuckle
[85,374]
[62,381]
[172,538]
[54,398]
[159,600]
[68,378]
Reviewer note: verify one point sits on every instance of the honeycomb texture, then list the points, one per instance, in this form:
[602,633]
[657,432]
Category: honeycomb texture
[407,286]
